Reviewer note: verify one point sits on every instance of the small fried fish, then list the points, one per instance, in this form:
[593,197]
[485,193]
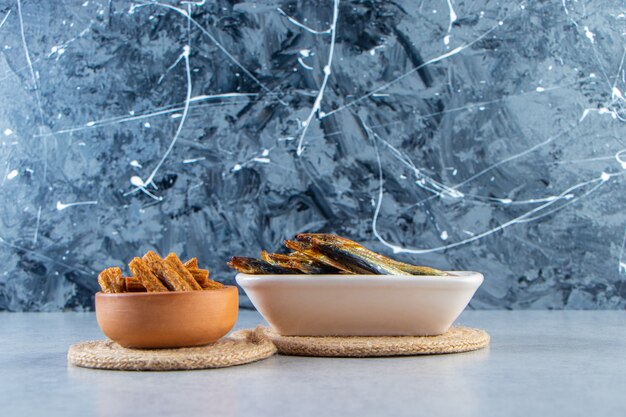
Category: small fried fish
[308,250]
[299,261]
[357,261]
[257,266]
[358,249]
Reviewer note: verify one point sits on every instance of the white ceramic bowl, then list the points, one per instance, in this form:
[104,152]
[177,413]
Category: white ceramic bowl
[360,305]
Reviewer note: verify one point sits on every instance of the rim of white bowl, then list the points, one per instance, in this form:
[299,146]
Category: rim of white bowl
[470,278]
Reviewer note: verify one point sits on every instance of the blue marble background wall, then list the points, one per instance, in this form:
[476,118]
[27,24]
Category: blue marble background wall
[480,135]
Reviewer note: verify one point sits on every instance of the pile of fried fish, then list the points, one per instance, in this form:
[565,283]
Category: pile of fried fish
[321,253]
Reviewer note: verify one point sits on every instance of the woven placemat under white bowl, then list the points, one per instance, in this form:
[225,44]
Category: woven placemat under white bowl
[455,340]
[239,348]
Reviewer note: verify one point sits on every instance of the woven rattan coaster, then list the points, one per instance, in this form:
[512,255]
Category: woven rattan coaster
[457,339]
[241,347]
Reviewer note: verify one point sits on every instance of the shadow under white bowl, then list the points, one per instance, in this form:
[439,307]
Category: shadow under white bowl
[360,305]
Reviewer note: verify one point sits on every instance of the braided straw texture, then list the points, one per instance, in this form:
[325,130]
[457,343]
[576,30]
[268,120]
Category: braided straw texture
[241,347]
[457,339]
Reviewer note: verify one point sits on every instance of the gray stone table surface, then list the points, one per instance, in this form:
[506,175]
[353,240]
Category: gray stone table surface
[548,363]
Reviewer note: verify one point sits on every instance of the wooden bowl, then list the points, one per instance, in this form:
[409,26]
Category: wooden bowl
[167,319]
